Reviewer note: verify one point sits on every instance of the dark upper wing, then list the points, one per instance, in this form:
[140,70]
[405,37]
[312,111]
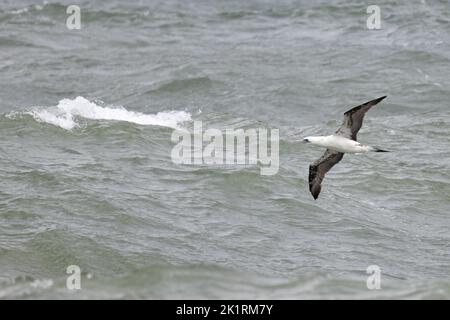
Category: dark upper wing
[318,169]
[353,119]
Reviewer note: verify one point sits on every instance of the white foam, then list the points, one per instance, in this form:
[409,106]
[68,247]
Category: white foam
[65,113]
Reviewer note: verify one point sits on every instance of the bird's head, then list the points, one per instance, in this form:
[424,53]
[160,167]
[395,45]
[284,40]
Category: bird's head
[311,140]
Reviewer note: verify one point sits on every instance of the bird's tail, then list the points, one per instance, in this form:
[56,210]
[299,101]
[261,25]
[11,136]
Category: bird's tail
[376,149]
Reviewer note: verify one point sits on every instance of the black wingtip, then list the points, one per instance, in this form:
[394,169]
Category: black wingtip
[367,104]
[379,99]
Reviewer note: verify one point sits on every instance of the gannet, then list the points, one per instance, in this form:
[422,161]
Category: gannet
[343,141]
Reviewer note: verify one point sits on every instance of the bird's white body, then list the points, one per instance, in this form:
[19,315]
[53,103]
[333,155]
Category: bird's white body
[339,144]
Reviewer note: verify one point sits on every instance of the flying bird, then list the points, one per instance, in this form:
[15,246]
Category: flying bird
[343,141]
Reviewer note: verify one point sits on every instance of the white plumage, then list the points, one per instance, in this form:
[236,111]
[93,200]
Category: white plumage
[339,144]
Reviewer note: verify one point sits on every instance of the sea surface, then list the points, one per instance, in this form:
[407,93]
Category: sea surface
[87,178]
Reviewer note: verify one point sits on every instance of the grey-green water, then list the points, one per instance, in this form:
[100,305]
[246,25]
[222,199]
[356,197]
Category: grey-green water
[82,183]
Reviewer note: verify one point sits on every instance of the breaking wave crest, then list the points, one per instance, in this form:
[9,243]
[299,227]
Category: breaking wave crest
[65,114]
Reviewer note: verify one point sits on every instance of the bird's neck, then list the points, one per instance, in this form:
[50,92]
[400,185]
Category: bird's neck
[319,140]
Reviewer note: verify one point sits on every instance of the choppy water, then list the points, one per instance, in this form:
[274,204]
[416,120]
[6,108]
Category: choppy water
[86,178]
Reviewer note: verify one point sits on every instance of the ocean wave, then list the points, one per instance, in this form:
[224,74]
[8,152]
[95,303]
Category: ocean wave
[180,84]
[178,282]
[21,287]
[67,111]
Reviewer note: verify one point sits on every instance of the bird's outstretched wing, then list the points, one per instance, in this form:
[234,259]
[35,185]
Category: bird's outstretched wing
[319,168]
[353,119]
